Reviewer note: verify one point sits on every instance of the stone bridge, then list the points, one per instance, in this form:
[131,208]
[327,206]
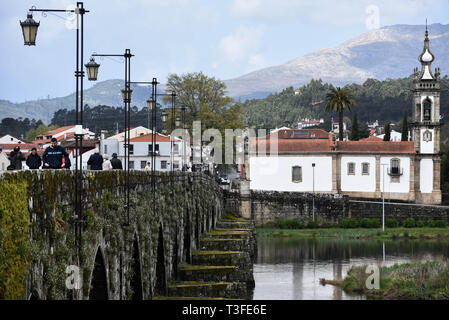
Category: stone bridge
[41,255]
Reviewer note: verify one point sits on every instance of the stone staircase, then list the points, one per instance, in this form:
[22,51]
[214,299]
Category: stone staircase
[223,267]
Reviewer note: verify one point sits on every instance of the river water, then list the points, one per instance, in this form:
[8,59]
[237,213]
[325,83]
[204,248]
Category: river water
[290,269]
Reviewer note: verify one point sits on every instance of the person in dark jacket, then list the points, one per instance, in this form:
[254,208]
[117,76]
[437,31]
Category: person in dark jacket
[95,161]
[53,156]
[34,160]
[116,163]
[16,157]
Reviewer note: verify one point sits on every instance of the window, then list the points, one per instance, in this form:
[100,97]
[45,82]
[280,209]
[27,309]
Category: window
[131,149]
[131,164]
[351,168]
[427,109]
[297,174]
[106,149]
[365,169]
[163,164]
[143,164]
[150,149]
[175,165]
[395,166]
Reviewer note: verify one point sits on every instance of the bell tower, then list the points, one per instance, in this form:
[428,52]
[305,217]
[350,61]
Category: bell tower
[426,127]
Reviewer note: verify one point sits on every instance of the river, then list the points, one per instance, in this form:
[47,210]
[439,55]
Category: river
[290,269]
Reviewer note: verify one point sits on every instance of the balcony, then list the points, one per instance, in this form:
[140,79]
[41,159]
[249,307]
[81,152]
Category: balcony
[395,172]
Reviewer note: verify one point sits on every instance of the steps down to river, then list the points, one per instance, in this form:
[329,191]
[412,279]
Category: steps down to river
[223,267]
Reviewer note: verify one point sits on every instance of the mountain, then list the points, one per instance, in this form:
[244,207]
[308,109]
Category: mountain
[102,93]
[389,52]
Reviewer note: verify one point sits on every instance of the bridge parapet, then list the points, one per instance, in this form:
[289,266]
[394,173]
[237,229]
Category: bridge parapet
[115,260]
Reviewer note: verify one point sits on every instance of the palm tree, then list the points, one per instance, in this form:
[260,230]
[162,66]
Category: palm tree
[340,100]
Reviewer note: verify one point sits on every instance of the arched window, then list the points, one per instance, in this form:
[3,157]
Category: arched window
[427,108]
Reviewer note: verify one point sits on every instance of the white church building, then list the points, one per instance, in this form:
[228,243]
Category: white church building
[312,160]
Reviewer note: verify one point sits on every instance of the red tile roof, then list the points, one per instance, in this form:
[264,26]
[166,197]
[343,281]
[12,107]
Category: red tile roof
[11,146]
[56,131]
[370,146]
[148,138]
[372,138]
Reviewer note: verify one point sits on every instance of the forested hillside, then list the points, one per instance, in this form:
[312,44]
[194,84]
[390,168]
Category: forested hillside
[377,100]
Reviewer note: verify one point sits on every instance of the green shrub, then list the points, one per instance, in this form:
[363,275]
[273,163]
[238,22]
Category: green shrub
[349,223]
[293,224]
[282,224]
[420,224]
[326,225]
[409,223]
[370,223]
[312,225]
[436,224]
[391,223]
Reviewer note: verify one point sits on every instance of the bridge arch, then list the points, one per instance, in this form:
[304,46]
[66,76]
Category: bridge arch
[136,266]
[98,289]
[161,276]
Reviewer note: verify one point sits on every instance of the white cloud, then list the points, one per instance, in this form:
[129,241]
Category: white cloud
[243,43]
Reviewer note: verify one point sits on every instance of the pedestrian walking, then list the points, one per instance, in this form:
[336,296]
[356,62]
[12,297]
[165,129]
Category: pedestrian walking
[34,161]
[116,163]
[16,157]
[55,156]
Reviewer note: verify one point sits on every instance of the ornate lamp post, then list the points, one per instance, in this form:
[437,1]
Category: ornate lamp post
[29,30]
[92,70]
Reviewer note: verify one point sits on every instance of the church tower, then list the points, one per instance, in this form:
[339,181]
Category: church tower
[426,128]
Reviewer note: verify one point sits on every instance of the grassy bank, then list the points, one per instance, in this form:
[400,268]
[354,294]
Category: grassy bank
[420,281]
[375,234]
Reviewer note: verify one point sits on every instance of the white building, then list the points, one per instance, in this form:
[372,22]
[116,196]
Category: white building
[141,149]
[111,145]
[62,133]
[310,161]
[9,139]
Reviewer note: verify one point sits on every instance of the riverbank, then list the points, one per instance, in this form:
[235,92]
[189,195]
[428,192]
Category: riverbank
[419,281]
[369,234]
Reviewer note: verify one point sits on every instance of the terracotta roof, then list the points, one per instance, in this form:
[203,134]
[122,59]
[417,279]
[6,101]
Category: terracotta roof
[56,131]
[148,138]
[11,146]
[376,147]
[325,146]
[372,138]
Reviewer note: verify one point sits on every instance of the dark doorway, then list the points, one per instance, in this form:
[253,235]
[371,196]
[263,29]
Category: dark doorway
[187,236]
[136,280]
[99,284]
[175,255]
[213,217]
[161,286]
[34,296]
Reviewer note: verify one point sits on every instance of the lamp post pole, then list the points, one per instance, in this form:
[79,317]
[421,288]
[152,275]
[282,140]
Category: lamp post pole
[383,196]
[29,29]
[313,197]
[92,69]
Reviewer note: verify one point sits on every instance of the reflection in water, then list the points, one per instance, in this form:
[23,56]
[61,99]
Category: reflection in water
[290,269]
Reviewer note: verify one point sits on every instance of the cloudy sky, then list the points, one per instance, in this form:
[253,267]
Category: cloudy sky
[222,38]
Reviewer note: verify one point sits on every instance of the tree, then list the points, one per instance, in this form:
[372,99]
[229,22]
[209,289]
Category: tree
[387,131]
[33,133]
[355,136]
[205,100]
[404,136]
[340,100]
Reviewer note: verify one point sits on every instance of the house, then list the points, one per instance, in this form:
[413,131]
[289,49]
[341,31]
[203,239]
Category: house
[308,123]
[9,139]
[140,151]
[43,140]
[110,145]
[404,171]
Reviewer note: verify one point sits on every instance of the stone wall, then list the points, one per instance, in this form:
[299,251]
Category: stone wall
[399,211]
[270,206]
[117,260]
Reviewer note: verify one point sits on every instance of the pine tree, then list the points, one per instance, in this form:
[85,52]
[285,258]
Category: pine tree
[387,131]
[355,136]
[404,128]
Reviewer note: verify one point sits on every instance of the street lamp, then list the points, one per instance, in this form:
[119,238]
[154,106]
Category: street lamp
[164,116]
[29,30]
[92,69]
